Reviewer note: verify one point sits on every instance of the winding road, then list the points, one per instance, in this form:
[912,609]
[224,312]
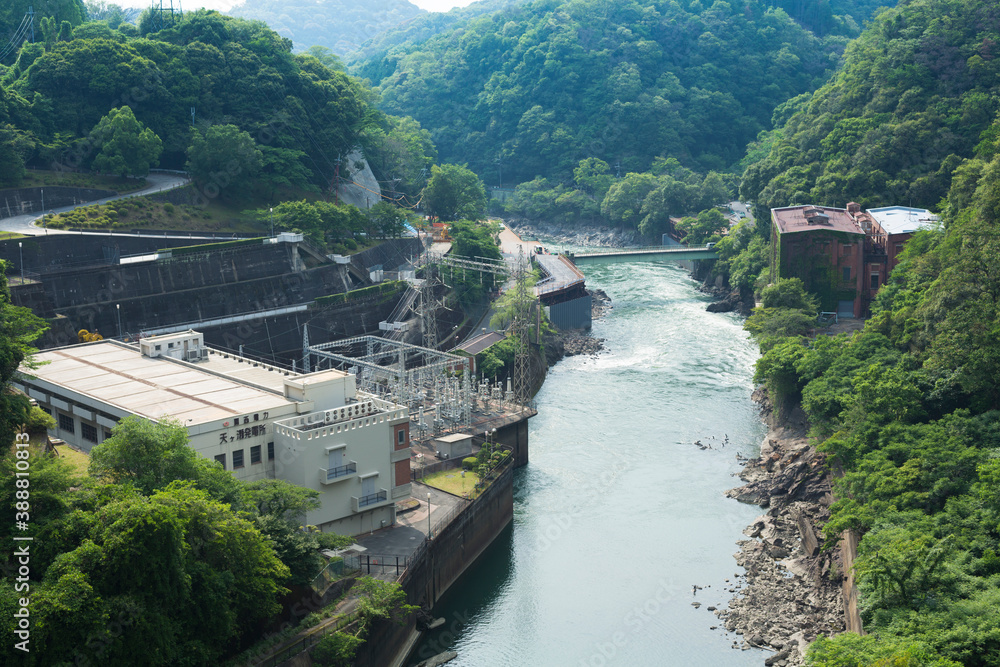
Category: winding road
[157,182]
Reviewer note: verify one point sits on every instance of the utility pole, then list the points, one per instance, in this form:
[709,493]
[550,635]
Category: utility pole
[31,22]
[272,222]
[192,116]
[618,169]
[499,163]
[118,310]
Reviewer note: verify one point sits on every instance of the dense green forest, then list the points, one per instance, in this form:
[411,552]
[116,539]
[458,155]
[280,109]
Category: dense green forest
[916,91]
[917,95]
[335,24]
[600,111]
[204,70]
[909,408]
[423,27]
[532,89]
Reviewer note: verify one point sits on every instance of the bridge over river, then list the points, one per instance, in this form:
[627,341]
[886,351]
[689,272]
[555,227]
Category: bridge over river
[563,292]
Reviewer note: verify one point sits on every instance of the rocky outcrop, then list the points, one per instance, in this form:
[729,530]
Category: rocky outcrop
[791,593]
[728,300]
[600,303]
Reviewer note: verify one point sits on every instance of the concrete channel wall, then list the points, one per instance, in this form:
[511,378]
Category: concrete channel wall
[448,556]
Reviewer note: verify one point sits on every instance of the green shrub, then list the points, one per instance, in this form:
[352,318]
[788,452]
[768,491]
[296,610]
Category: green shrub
[168,208]
[469,463]
[39,421]
[336,650]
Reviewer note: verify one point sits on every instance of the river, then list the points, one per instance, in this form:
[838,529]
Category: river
[619,514]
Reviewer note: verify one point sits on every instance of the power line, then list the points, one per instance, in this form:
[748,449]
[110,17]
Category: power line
[19,34]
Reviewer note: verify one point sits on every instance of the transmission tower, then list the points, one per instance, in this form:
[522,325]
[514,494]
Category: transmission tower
[523,309]
[519,331]
[428,310]
[165,7]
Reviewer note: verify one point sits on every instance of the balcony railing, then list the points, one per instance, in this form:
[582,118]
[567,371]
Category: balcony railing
[331,475]
[371,500]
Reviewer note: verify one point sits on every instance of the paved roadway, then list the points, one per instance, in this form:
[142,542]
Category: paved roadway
[25,224]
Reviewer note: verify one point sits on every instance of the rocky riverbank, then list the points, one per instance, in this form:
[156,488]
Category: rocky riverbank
[791,592]
[589,235]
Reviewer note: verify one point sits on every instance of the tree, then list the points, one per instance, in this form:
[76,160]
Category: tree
[223,161]
[593,176]
[179,574]
[788,293]
[623,202]
[127,147]
[386,220]
[699,229]
[15,146]
[145,454]
[380,599]
[19,327]
[453,193]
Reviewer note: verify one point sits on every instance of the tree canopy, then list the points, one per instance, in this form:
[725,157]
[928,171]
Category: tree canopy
[454,192]
[541,86]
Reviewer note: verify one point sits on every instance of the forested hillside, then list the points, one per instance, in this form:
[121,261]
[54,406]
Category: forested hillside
[336,24]
[206,70]
[425,26]
[541,86]
[908,409]
[914,95]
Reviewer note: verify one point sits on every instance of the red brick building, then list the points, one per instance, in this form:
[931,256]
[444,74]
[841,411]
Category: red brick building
[842,255]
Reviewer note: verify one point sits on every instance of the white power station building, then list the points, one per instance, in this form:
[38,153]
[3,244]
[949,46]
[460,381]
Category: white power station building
[259,421]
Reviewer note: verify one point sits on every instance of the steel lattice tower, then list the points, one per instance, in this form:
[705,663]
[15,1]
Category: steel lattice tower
[519,330]
[428,308]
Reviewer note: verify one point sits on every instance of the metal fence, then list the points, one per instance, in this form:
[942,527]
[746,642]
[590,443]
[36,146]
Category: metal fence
[418,474]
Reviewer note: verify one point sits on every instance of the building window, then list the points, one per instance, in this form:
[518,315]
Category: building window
[270,451]
[88,432]
[158,347]
[847,274]
[66,423]
[255,454]
[46,410]
[846,249]
[107,434]
[237,459]
[221,458]
[400,436]
[874,281]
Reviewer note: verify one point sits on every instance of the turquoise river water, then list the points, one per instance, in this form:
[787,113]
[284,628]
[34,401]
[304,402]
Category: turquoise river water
[618,515]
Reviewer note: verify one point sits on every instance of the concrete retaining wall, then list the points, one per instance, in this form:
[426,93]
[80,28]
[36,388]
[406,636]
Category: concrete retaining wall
[449,554]
[573,314]
[18,201]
